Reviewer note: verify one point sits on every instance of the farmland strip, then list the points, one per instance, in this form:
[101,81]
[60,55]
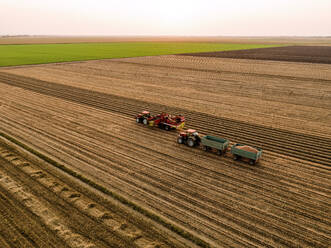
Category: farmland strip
[283,138]
[91,154]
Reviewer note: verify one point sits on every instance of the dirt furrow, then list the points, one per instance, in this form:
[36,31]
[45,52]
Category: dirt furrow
[226,72]
[39,208]
[149,130]
[252,184]
[133,190]
[324,159]
[47,87]
[272,175]
[278,171]
[28,233]
[283,201]
[106,98]
[112,228]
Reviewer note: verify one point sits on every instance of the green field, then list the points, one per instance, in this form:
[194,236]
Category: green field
[47,53]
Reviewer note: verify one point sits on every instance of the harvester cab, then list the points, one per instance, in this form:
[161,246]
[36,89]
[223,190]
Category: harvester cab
[189,137]
[143,117]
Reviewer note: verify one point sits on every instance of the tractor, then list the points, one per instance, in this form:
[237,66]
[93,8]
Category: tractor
[143,117]
[189,137]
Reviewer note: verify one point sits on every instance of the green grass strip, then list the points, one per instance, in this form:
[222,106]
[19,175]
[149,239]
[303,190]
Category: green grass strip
[11,55]
[121,199]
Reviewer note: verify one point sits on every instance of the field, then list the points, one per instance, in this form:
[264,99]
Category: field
[42,207]
[47,53]
[317,41]
[82,116]
[308,54]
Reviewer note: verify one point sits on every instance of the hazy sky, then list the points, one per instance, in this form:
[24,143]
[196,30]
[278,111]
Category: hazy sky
[166,17]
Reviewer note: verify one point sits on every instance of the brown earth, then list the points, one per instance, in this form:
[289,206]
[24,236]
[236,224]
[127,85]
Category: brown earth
[288,143]
[41,207]
[308,54]
[282,202]
[276,95]
[81,114]
[325,41]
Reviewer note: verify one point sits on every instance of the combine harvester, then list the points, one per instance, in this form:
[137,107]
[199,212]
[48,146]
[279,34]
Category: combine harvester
[163,120]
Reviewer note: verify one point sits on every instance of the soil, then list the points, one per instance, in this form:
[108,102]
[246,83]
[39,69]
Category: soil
[307,54]
[82,115]
[43,208]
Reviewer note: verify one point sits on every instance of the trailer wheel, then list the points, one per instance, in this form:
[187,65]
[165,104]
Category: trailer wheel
[219,152]
[167,128]
[190,142]
[235,157]
[205,148]
[180,140]
[252,162]
[145,121]
[138,120]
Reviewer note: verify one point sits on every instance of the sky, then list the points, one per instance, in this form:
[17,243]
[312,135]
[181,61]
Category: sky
[166,17]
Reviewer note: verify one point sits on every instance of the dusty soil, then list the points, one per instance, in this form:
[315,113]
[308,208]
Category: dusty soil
[307,54]
[285,142]
[40,207]
[82,115]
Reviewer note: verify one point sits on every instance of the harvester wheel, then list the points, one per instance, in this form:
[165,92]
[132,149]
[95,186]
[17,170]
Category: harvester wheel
[190,142]
[180,140]
[145,121]
[219,152]
[138,120]
[252,162]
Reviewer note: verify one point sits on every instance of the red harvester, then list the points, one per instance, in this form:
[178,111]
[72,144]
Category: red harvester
[163,120]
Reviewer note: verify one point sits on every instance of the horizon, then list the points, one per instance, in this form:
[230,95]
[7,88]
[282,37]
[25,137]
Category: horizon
[182,36]
[240,18]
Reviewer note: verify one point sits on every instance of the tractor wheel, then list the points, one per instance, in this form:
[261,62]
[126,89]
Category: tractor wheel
[145,121]
[180,140]
[190,142]
[219,152]
[138,120]
[252,162]
[235,157]
[167,128]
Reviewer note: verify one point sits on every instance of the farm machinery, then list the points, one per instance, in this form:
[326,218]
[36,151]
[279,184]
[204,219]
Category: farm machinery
[245,152]
[191,138]
[163,120]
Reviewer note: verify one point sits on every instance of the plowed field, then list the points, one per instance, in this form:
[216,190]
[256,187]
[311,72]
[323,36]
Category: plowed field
[41,207]
[308,54]
[81,114]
